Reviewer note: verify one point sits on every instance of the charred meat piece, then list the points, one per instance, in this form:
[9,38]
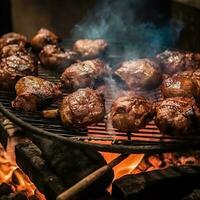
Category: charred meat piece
[83,74]
[89,49]
[130,112]
[42,38]
[13,38]
[52,56]
[34,93]
[12,49]
[176,61]
[13,68]
[177,116]
[139,74]
[178,86]
[81,108]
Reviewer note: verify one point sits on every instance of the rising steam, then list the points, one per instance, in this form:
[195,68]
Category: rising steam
[119,21]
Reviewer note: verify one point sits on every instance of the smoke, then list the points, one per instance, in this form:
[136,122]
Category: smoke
[119,21]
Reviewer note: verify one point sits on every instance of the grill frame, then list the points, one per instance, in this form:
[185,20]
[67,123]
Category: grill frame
[146,140]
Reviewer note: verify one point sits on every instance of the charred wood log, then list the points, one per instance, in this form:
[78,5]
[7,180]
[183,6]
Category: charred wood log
[29,158]
[72,164]
[169,183]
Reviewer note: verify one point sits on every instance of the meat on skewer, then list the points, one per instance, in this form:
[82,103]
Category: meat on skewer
[139,74]
[89,49]
[130,112]
[34,93]
[83,74]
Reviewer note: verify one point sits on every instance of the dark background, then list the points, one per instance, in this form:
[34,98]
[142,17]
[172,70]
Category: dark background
[60,16]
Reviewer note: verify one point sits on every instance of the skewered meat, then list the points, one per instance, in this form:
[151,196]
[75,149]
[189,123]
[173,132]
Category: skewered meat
[130,112]
[81,108]
[13,38]
[33,93]
[89,49]
[14,67]
[53,56]
[176,61]
[178,86]
[139,74]
[42,38]
[177,116]
[83,74]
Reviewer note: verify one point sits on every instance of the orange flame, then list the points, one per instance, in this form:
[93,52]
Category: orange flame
[127,166]
[11,174]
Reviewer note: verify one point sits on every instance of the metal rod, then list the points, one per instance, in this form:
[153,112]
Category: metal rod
[90,179]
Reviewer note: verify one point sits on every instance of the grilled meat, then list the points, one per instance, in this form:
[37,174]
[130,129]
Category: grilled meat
[176,61]
[12,49]
[81,108]
[139,74]
[196,79]
[178,86]
[177,116]
[42,38]
[130,112]
[14,67]
[89,49]
[83,74]
[52,56]
[33,93]
[13,38]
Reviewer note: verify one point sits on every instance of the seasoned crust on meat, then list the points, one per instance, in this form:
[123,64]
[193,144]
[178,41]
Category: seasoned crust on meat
[83,74]
[52,56]
[177,116]
[42,38]
[176,61]
[130,112]
[81,108]
[33,93]
[139,74]
[14,67]
[89,49]
[13,38]
[178,86]
[12,49]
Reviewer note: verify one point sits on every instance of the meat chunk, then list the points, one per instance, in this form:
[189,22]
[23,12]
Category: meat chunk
[83,74]
[52,56]
[130,112]
[81,108]
[34,93]
[12,49]
[176,61]
[13,38]
[89,49]
[13,68]
[178,86]
[42,38]
[139,74]
[177,116]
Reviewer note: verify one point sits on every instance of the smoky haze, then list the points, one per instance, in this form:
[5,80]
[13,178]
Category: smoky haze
[124,21]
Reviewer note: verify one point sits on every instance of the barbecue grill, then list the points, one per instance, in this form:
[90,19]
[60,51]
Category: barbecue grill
[101,136]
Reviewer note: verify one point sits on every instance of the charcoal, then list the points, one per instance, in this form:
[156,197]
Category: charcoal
[169,183]
[29,158]
[72,163]
[5,189]
[14,196]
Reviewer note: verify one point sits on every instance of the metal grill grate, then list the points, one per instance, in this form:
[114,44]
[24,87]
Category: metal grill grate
[101,136]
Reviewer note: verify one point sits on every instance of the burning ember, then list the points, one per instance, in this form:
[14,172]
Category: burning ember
[12,176]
